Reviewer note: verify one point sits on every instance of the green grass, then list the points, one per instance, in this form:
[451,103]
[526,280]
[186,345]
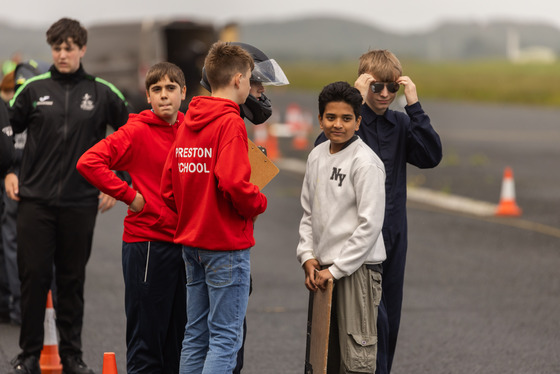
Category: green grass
[477,81]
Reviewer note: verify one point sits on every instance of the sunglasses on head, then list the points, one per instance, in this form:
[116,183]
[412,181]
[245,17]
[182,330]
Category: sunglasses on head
[391,87]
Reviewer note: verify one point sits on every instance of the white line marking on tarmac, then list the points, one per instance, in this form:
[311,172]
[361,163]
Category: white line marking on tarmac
[418,194]
[451,202]
[447,202]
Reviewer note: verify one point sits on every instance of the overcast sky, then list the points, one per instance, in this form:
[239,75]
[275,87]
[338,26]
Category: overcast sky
[393,15]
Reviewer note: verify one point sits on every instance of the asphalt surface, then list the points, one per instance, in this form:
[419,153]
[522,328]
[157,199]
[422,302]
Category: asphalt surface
[482,294]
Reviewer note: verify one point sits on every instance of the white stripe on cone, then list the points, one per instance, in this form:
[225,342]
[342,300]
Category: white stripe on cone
[50,328]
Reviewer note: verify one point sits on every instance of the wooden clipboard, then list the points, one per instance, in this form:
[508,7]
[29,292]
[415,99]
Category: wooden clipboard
[263,169]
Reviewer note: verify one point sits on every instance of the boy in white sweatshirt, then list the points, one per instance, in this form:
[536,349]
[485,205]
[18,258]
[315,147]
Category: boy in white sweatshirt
[343,199]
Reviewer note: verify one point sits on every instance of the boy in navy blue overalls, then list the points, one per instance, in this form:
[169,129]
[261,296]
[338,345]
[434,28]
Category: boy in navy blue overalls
[397,138]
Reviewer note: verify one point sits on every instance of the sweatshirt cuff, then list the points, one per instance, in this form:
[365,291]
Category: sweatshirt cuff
[129,196]
[336,272]
[306,257]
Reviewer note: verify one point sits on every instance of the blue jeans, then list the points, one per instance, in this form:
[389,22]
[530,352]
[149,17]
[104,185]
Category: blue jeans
[217,296]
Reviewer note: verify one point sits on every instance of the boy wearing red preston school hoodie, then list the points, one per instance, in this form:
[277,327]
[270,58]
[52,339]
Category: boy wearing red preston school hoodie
[206,178]
[153,269]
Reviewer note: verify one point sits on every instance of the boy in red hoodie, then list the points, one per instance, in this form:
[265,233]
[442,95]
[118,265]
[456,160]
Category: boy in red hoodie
[206,178]
[153,269]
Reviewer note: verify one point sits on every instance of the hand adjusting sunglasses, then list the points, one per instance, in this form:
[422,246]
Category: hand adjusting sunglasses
[391,87]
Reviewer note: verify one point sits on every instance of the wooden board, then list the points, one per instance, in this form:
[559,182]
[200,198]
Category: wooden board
[318,327]
[262,168]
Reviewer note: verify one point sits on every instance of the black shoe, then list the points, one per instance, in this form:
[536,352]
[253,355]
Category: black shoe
[74,365]
[26,365]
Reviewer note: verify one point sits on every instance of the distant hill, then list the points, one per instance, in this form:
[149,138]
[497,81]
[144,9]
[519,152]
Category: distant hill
[331,38]
[335,39]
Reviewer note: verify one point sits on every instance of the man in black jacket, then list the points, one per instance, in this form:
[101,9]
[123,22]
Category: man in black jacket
[6,143]
[65,111]
[6,158]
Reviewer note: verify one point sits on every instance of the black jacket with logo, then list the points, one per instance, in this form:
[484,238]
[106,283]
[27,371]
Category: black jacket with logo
[64,114]
[6,142]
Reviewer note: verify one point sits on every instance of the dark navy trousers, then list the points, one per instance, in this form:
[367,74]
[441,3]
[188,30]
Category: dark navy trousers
[155,305]
[389,317]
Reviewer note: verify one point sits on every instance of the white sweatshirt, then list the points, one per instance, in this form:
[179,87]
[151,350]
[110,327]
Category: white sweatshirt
[343,200]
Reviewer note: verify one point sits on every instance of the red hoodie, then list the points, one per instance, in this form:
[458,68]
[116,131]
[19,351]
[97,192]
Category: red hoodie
[140,147]
[206,178]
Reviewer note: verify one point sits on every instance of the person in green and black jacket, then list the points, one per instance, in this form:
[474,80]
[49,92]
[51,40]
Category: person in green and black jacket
[65,111]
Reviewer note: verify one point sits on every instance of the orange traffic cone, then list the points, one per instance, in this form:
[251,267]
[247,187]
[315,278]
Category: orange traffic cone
[508,206]
[272,149]
[50,360]
[260,135]
[300,142]
[109,363]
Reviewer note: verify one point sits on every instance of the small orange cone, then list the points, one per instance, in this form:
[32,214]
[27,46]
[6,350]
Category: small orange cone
[109,363]
[508,206]
[50,360]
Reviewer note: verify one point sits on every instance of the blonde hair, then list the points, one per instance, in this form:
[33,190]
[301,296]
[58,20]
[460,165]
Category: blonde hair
[382,64]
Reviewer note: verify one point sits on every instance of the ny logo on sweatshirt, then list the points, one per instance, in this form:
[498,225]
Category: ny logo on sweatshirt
[337,176]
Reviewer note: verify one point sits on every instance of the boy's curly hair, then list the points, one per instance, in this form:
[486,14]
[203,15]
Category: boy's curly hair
[340,92]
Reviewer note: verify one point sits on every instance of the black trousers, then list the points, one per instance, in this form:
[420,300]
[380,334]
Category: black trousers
[9,242]
[4,286]
[61,236]
[155,305]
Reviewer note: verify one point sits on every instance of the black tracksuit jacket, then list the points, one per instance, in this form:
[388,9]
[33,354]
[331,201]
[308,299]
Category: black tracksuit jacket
[64,114]
[6,142]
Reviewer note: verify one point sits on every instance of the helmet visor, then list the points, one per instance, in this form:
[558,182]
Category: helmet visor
[269,73]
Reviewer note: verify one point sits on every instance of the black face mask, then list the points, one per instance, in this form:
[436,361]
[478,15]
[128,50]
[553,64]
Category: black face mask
[256,110]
